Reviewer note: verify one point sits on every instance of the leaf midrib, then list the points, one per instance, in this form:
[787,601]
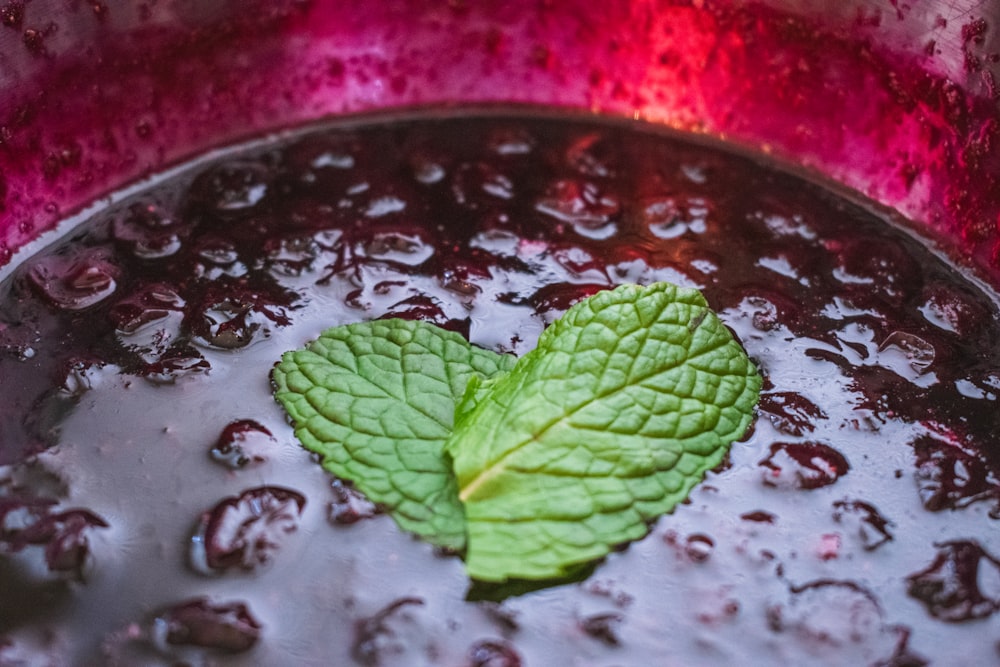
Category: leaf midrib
[491,472]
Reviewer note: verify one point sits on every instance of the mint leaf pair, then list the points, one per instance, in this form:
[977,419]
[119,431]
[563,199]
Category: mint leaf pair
[376,400]
[532,466]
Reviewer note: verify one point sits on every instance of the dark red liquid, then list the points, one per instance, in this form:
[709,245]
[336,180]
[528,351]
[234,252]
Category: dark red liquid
[155,507]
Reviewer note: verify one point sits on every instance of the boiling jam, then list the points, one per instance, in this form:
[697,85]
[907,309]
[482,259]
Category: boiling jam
[155,507]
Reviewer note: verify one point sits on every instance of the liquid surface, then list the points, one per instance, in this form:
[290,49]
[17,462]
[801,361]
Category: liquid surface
[155,507]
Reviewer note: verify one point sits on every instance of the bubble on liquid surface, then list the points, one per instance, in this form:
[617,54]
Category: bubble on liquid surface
[603,627]
[426,309]
[398,247]
[591,211]
[315,160]
[952,310]
[462,280]
[511,140]
[292,255]
[390,636]
[769,310]
[790,412]
[150,303]
[385,205]
[245,531]
[83,375]
[148,320]
[427,171]
[698,547]
[803,465]
[672,217]
[217,257]
[473,184]
[553,300]
[227,627]
[909,356]
[232,188]
[75,280]
[493,653]
[62,534]
[148,230]
[784,226]
[235,318]
[349,505]
[962,583]
[864,522]
[949,475]
[592,154]
[828,615]
[876,268]
[177,362]
[242,443]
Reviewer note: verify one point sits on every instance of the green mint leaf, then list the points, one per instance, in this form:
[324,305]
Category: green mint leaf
[537,467]
[377,401]
[626,402]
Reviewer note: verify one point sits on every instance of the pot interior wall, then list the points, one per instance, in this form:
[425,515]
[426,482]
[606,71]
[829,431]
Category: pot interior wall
[896,103]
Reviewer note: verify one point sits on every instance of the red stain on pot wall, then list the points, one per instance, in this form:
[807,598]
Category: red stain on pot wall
[96,99]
